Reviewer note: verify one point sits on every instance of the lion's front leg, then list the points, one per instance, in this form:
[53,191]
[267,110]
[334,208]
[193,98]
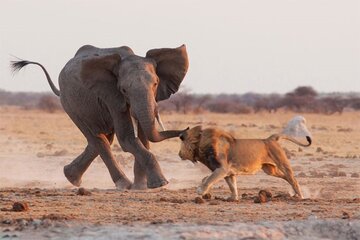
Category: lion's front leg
[206,185]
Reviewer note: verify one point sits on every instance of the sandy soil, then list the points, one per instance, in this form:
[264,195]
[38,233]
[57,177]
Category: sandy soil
[35,146]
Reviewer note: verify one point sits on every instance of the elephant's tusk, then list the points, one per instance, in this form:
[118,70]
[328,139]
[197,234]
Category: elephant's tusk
[135,126]
[159,121]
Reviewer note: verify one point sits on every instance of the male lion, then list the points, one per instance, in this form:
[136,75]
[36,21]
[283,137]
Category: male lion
[228,157]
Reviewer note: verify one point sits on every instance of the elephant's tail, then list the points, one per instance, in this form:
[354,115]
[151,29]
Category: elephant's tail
[17,65]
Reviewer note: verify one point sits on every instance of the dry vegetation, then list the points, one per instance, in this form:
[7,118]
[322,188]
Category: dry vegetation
[302,99]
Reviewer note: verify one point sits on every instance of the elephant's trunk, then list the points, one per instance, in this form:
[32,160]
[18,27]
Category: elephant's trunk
[146,118]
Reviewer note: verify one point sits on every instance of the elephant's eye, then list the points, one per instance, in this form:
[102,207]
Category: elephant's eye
[123,90]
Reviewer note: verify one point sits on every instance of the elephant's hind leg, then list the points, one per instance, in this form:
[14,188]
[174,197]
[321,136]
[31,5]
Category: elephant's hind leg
[74,171]
[117,174]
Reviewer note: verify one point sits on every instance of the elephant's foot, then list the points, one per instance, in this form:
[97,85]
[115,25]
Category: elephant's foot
[157,183]
[123,184]
[139,185]
[74,178]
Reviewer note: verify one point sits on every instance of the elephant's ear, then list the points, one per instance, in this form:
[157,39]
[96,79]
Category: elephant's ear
[98,74]
[172,65]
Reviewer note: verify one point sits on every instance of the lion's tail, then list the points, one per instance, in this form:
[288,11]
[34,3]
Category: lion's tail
[278,137]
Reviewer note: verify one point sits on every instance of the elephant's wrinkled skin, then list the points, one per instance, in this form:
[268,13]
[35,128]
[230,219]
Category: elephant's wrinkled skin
[101,89]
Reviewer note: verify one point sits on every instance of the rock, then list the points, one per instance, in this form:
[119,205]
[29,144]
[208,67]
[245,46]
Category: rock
[267,193]
[20,207]
[199,200]
[263,196]
[345,215]
[83,192]
[206,196]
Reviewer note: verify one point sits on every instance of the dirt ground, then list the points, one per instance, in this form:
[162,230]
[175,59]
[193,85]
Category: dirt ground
[36,145]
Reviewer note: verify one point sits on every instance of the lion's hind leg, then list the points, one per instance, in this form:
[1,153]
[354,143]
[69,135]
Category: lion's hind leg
[286,174]
[231,181]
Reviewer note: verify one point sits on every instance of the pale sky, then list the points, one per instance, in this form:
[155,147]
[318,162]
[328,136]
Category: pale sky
[237,46]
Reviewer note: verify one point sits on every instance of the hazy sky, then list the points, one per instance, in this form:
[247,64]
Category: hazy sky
[233,46]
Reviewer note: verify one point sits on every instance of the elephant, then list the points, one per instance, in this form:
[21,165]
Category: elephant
[105,92]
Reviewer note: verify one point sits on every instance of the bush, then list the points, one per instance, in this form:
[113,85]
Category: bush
[49,103]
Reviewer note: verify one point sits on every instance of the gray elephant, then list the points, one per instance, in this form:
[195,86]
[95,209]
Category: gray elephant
[102,89]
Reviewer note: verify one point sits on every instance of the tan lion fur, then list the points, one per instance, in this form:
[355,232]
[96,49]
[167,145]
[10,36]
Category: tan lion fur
[228,157]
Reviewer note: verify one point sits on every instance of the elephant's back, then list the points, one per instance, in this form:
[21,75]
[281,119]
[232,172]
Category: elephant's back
[72,69]
[88,51]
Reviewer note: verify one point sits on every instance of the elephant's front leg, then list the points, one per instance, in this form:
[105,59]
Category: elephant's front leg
[146,169]
[140,179]
[146,166]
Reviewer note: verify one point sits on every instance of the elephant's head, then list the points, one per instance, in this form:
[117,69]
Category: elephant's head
[139,81]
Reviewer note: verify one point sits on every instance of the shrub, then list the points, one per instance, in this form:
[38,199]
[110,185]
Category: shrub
[49,103]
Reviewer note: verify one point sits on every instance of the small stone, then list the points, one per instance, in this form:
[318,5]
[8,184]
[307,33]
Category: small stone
[20,207]
[262,198]
[206,196]
[345,215]
[83,192]
[199,200]
[267,193]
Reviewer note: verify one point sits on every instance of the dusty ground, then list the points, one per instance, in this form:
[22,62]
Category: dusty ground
[35,146]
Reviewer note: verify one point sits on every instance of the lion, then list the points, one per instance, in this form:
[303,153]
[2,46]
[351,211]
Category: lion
[228,157]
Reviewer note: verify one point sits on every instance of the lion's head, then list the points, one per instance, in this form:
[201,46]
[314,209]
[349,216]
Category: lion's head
[190,143]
